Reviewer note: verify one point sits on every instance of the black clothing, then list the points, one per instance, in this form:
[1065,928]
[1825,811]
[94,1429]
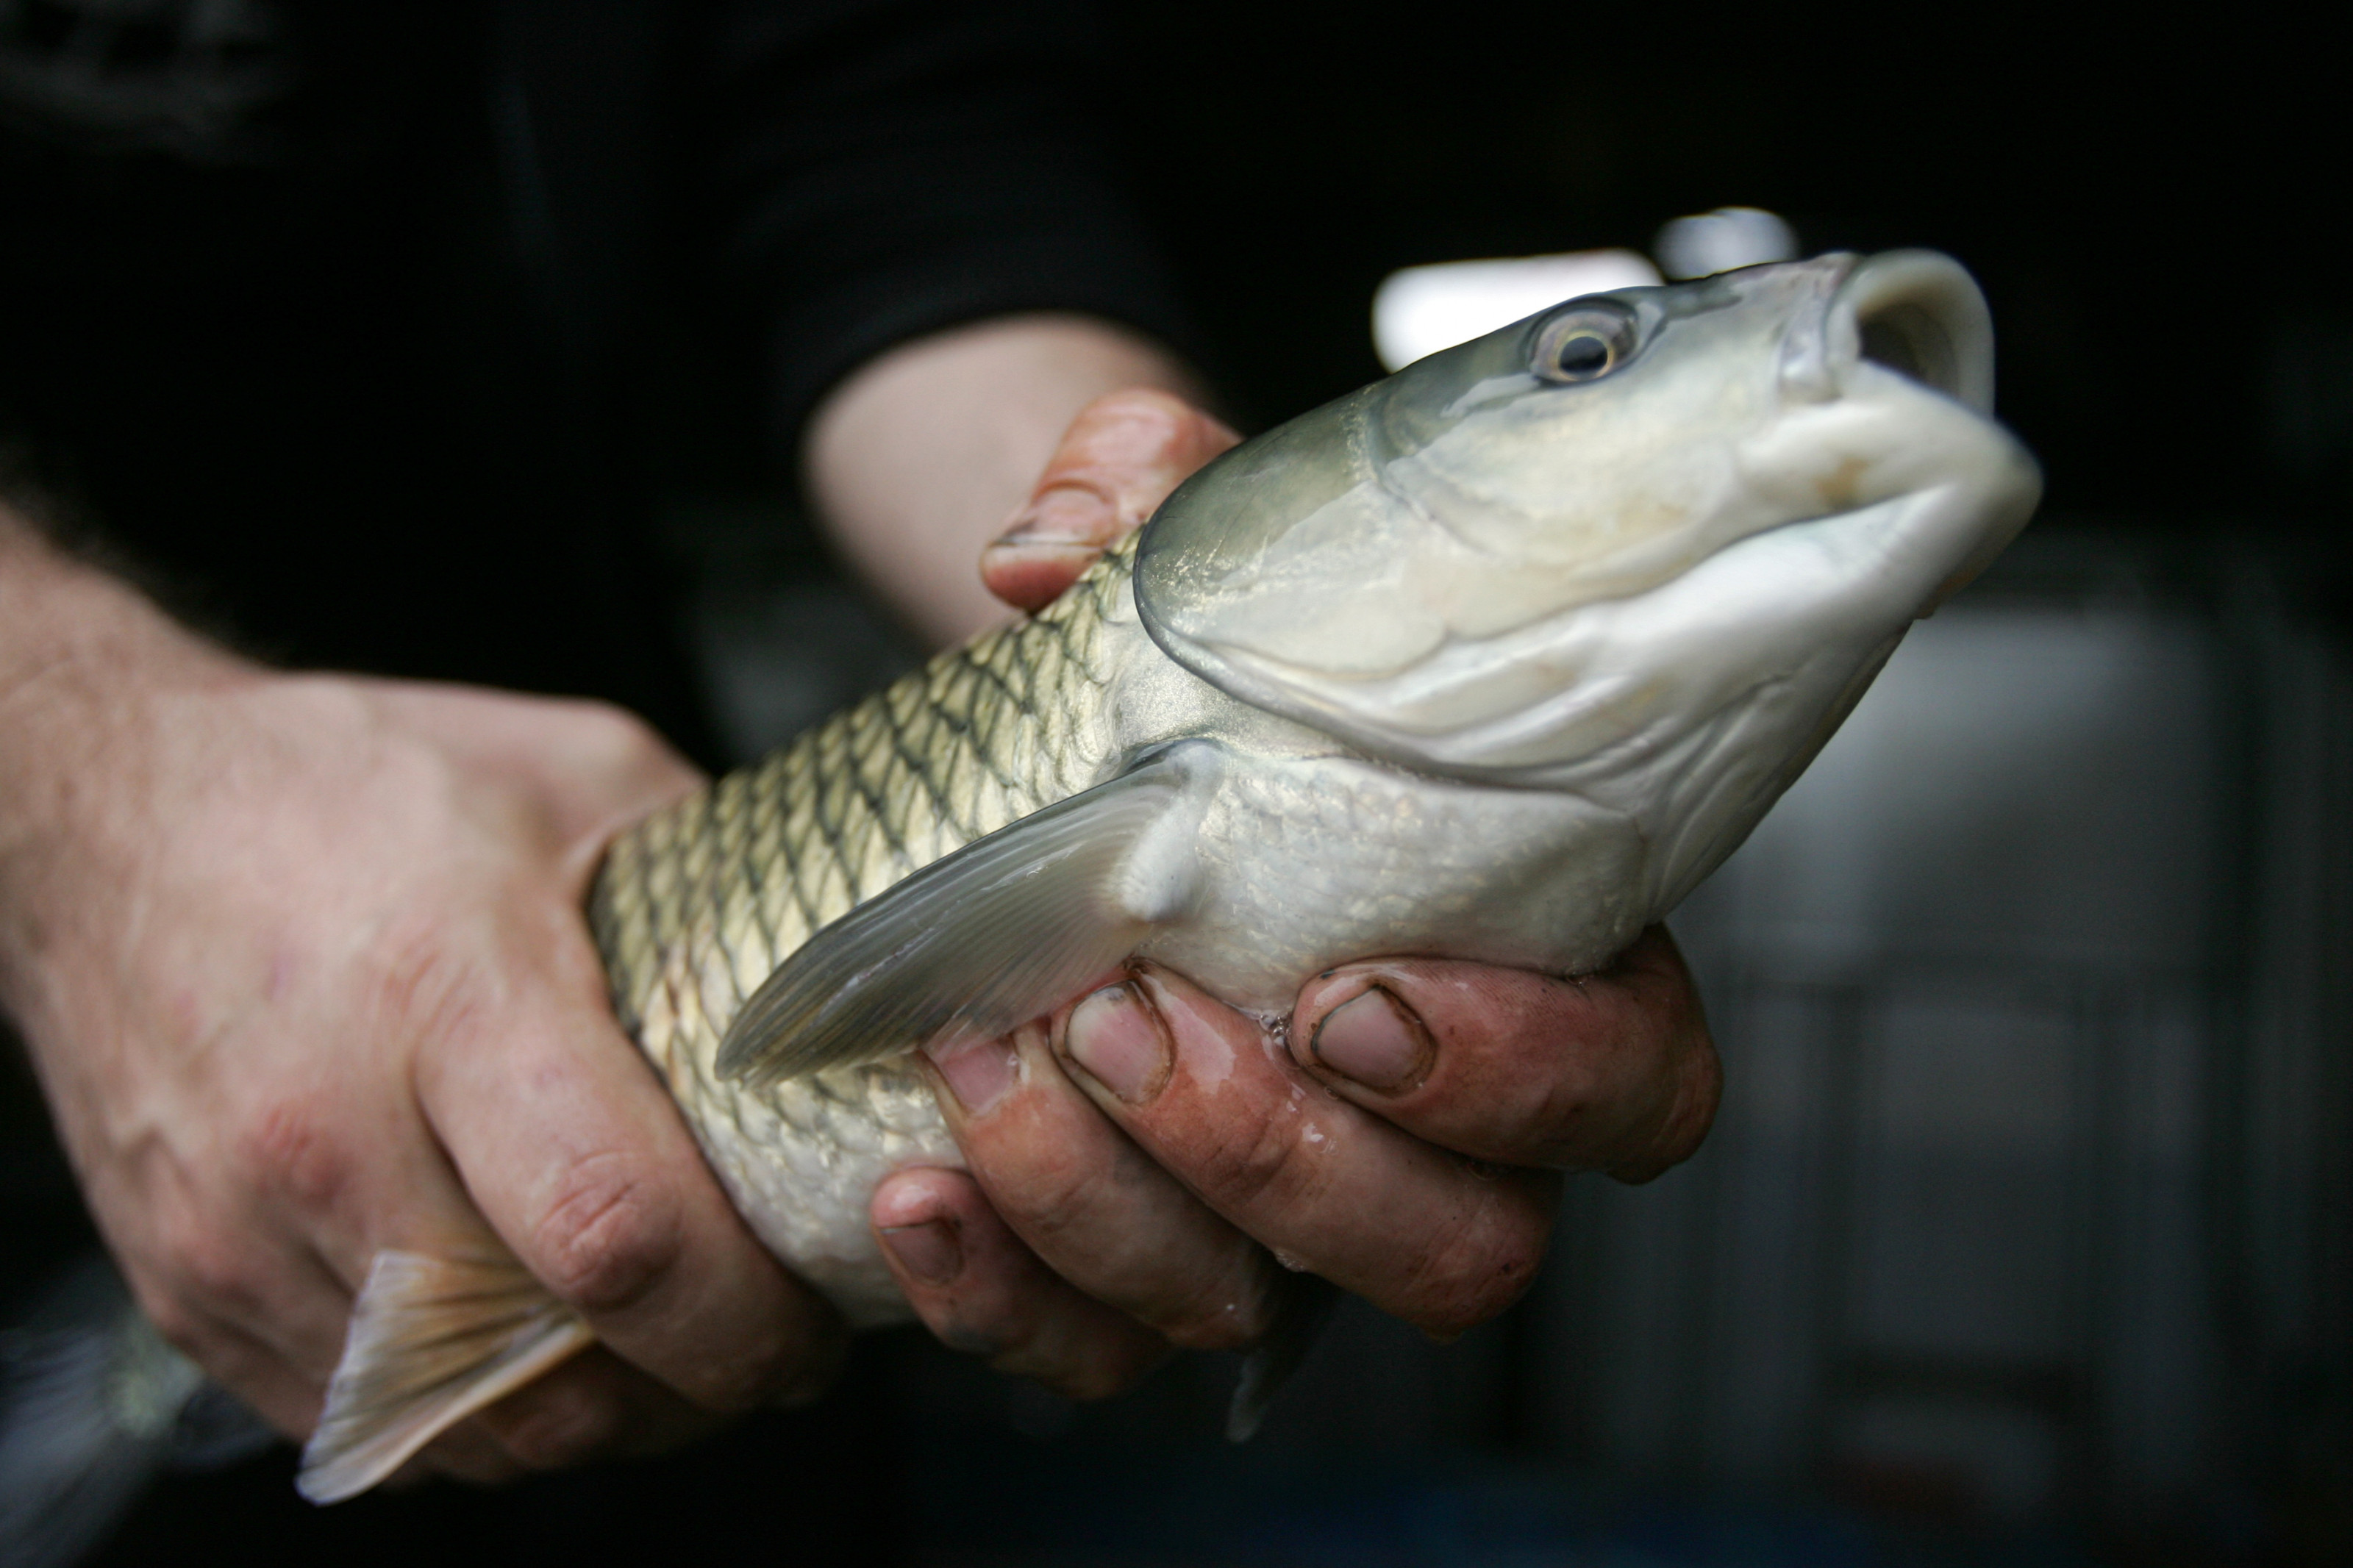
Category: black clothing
[377,328]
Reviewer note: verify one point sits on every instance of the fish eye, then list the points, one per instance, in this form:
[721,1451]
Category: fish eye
[1583,345]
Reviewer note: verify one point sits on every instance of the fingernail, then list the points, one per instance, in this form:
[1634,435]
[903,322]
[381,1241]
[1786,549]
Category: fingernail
[979,1072]
[1374,1040]
[1065,514]
[1118,1038]
[1032,574]
[929,1251]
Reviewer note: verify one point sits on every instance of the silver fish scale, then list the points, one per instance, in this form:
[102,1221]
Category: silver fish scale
[696,906]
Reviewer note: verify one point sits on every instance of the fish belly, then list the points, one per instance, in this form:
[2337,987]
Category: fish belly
[1308,862]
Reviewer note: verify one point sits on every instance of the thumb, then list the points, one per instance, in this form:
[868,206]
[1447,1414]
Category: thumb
[1117,462]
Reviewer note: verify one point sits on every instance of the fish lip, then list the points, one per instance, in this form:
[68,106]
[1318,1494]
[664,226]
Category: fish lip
[1915,312]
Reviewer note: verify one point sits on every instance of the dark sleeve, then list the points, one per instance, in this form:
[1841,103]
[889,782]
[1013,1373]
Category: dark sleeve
[887,168]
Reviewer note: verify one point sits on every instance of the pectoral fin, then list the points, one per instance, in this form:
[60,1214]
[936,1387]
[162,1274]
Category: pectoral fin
[432,1341]
[979,941]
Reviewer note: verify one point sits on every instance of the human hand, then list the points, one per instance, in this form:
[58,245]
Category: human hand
[1141,1161]
[302,964]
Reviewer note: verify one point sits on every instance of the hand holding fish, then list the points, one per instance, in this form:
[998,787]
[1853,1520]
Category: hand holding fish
[1492,661]
[299,962]
[1615,1072]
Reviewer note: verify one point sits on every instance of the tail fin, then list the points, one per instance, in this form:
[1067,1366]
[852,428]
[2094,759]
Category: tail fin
[432,1341]
[93,1405]
[1305,1309]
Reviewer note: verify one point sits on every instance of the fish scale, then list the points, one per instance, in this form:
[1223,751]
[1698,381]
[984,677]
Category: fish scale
[696,906]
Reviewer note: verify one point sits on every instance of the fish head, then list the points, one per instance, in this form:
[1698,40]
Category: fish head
[1604,525]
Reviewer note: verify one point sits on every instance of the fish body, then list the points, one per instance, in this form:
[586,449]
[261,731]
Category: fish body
[1494,659]
[1287,852]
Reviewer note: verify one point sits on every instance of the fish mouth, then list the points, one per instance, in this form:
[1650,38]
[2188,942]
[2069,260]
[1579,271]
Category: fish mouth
[1917,313]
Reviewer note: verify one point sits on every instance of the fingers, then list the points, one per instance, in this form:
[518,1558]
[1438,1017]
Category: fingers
[1613,1071]
[595,1405]
[1441,1241]
[1117,463]
[1093,1207]
[574,1152]
[977,1287]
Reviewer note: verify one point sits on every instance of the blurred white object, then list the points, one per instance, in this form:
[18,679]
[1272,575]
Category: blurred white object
[1708,243]
[1421,310]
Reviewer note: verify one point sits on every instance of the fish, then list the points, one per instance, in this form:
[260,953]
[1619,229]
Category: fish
[1495,659]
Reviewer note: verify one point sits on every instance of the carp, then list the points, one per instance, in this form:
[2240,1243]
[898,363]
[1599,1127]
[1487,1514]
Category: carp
[1495,659]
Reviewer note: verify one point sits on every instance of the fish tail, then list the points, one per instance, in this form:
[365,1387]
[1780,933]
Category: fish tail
[432,1341]
[1298,1323]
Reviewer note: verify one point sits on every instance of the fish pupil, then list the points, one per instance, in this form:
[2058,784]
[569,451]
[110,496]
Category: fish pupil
[1582,356]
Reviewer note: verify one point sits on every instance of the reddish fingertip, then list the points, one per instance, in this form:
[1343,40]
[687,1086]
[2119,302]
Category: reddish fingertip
[1031,575]
[932,1251]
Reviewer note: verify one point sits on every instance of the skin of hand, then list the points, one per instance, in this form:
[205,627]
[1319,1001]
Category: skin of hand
[300,965]
[1152,1151]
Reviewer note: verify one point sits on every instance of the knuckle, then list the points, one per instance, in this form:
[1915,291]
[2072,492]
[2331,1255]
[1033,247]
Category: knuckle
[560,1424]
[609,1235]
[1146,405]
[1253,1160]
[288,1150]
[619,737]
[1691,1112]
[1563,1119]
[1096,1362]
[1107,1378]
[1056,1198]
[425,983]
[1700,1094]
[1228,1325]
[1472,1272]
[1235,1308]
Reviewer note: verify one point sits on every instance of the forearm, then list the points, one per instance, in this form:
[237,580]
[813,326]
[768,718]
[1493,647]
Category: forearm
[83,656]
[917,460]
[68,631]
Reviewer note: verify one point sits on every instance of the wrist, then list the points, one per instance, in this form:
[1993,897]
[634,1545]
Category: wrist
[86,664]
[71,633]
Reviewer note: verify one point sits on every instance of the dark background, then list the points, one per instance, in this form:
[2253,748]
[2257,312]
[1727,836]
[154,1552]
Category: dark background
[2154,207]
